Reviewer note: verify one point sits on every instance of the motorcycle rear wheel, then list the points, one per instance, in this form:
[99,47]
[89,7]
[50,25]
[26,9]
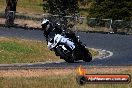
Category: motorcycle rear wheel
[87,56]
[81,53]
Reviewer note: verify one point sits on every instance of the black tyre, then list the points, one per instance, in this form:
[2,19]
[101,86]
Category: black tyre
[81,53]
[64,56]
[87,56]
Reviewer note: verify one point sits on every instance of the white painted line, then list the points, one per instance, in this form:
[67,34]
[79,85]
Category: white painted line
[103,54]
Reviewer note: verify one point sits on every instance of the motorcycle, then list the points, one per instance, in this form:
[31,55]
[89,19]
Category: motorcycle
[59,43]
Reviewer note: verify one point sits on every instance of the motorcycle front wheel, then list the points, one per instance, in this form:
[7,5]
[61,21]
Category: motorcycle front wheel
[67,57]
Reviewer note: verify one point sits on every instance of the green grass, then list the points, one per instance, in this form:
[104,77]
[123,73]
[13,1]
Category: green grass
[68,81]
[2,5]
[15,47]
[15,50]
[26,6]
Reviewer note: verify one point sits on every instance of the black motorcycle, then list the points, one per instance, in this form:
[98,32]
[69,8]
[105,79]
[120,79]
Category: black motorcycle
[80,52]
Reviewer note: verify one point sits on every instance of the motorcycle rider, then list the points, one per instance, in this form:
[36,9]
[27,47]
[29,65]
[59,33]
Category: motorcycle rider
[52,33]
[55,35]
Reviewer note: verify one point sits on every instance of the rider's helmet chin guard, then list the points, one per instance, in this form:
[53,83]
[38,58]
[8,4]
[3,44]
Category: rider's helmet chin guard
[45,24]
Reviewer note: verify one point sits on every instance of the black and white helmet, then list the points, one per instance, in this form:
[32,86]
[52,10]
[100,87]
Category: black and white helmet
[45,24]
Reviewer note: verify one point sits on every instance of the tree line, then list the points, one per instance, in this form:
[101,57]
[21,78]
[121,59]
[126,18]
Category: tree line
[112,9]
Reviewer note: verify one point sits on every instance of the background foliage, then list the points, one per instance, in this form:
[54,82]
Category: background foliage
[64,7]
[113,9]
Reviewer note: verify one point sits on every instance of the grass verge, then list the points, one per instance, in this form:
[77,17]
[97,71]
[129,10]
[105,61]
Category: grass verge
[59,78]
[26,6]
[15,50]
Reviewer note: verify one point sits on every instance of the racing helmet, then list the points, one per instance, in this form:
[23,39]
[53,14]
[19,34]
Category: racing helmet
[45,24]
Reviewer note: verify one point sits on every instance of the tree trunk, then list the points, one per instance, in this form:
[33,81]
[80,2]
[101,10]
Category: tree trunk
[10,12]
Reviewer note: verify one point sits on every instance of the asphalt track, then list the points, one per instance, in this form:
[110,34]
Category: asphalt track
[120,45]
